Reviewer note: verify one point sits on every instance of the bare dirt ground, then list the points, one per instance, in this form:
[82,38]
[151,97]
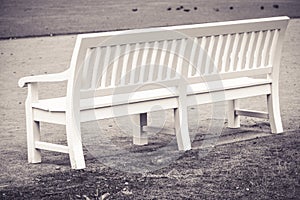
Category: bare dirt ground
[246,163]
[33,17]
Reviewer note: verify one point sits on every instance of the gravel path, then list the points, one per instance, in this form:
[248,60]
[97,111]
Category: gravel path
[52,17]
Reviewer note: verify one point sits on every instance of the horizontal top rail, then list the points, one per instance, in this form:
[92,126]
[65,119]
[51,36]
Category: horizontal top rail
[182,31]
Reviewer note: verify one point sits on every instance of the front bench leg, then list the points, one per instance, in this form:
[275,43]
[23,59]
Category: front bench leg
[139,136]
[233,118]
[32,127]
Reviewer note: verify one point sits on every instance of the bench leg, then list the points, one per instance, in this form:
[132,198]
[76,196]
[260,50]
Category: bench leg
[233,118]
[32,127]
[33,135]
[274,113]
[75,146]
[181,129]
[139,136]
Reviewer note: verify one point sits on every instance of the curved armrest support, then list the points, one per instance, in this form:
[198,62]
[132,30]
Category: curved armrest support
[63,76]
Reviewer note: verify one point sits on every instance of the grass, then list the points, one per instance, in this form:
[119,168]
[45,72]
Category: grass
[263,168]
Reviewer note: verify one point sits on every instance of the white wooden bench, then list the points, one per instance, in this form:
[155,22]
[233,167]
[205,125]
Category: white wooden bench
[190,63]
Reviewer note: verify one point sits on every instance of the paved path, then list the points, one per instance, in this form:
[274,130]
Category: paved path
[36,18]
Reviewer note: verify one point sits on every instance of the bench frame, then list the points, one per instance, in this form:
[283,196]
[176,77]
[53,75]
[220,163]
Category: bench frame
[73,115]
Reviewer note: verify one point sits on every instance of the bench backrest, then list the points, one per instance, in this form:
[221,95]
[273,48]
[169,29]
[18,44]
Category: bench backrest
[201,52]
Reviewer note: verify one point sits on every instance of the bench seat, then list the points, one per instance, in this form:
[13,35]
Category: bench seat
[59,104]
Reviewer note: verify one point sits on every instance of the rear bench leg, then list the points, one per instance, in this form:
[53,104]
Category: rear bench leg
[181,128]
[274,113]
[233,118]
[181,122]
[139,136]
[32,127]
[75,146]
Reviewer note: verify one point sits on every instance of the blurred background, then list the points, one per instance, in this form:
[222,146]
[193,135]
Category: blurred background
[25,18]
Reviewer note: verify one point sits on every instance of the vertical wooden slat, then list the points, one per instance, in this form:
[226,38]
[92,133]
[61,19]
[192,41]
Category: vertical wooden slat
[209,54]
[115,65]
[125,64]
[105,67]
[241,53]
[233,52]
[162,59]
[134,62]
[96,67]
[265,49]
[201,55]
[257,48]
[217,56]
[152,61]
[273,47]
[225,54]
[180,58]
[144,62]
[171,58]
[87,62]
[249,50]
[192,57]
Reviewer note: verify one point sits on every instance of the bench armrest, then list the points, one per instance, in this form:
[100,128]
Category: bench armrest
[63,76]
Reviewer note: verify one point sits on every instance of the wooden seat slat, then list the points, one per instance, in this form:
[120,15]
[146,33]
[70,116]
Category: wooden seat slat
[59,104]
